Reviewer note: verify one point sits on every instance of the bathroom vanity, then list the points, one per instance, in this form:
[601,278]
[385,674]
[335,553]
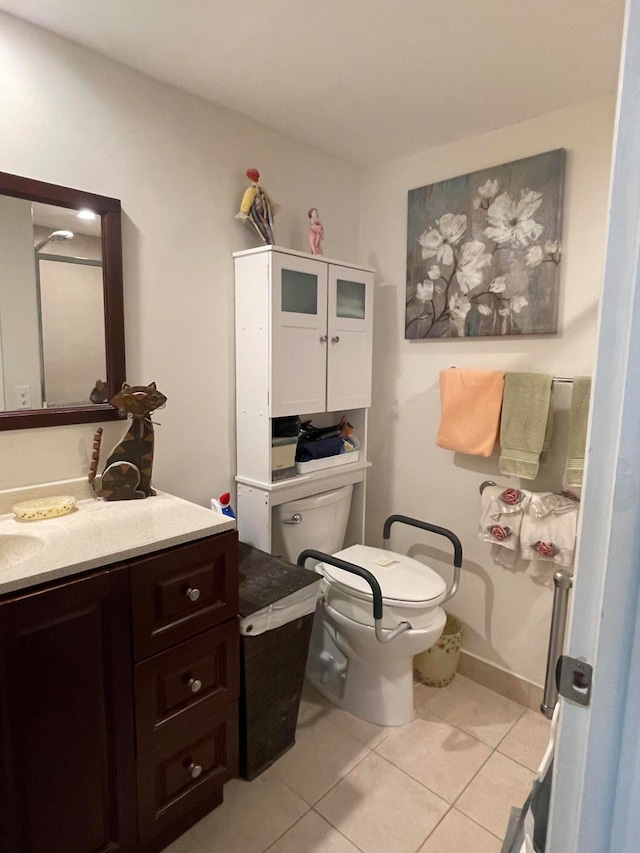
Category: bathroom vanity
[304,331]
[119,674]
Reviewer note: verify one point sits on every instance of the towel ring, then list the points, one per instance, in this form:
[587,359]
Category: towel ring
[486,483]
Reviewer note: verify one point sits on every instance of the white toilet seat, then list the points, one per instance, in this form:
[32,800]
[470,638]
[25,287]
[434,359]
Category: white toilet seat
[411,591]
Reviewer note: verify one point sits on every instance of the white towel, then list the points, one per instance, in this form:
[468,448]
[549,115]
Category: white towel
[548,531]
[501,520]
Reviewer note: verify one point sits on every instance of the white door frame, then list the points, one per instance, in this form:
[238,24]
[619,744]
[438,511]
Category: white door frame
[595,806]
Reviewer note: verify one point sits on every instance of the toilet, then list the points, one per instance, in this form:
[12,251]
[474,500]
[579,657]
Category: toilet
[347,661]
[318,522]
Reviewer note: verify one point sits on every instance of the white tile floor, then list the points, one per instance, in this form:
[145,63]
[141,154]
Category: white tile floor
[445,783]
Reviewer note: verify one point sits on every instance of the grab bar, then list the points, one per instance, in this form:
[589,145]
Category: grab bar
[382,636]
[563,582]
[432,528]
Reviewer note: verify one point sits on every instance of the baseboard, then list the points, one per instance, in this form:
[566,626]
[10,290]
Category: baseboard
[505,683]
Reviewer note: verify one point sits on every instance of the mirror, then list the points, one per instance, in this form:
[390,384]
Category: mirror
[61,311]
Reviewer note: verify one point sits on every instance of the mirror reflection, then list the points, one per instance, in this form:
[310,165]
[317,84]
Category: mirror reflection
[52,324]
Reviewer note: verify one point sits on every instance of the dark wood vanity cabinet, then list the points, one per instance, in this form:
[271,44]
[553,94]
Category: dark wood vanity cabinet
[187,682]
[119,702]
[67,766]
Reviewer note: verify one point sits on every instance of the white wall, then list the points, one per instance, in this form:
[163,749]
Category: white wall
[506,614]
[72,117]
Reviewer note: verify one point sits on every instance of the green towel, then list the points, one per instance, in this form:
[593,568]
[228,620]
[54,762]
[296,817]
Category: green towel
[578,430]
[525,423]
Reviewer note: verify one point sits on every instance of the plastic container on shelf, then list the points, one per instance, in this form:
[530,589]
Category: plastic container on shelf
[439,664]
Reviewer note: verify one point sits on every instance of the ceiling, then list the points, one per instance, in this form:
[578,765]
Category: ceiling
[367,80]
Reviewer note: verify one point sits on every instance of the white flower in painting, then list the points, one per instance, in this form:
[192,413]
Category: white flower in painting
[487,192]
[459,307]
[551,247]
[437,242]
[511,223]
[534,256]
[483,309]
[424,291]
[498,285]
[472,261]
[504,312]
[434,272]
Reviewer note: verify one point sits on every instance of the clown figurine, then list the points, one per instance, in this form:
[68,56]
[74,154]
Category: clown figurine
[258,208]
[316,232]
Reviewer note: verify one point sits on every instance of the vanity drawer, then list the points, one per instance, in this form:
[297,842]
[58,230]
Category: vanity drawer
[183,773]
[185,683]
[182,592]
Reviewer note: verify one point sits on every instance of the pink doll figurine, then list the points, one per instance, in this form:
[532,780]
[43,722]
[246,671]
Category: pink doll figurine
[316,232]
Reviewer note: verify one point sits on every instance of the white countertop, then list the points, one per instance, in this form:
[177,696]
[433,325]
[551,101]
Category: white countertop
[98,533]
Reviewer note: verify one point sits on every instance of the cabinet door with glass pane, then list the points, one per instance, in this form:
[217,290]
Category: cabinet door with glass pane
[350,333]
[299,335]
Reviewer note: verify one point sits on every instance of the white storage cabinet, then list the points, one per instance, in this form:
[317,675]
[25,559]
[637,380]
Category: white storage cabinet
[304,328]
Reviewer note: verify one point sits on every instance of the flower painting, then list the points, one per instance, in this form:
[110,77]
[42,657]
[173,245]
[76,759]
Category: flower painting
[483,251]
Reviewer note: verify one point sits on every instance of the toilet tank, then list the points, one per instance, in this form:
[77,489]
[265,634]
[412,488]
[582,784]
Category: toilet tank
[319,521]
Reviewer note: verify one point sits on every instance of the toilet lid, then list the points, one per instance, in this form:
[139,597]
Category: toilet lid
[402,580]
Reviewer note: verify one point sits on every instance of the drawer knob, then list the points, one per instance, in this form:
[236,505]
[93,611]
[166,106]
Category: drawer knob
[195,770]
[195,684]
[193,593]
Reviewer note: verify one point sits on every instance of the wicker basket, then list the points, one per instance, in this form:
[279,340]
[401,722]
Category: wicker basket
[272,664]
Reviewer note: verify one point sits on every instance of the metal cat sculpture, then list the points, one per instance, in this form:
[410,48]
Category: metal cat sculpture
[127,473]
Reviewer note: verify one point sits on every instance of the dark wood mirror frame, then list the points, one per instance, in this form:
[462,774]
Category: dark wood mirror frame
[109,211]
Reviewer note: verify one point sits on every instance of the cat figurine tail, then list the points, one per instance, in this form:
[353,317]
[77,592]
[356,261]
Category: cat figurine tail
[127,473]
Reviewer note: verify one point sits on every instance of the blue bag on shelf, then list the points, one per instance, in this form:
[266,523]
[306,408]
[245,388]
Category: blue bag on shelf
[308,450]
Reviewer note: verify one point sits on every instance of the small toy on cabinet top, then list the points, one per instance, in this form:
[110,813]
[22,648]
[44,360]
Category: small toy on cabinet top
[257,208]
[316,232]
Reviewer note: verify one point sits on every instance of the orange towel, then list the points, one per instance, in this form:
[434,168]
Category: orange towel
[471,402]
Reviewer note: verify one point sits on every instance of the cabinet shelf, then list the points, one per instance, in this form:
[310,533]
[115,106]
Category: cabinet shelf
[300,479]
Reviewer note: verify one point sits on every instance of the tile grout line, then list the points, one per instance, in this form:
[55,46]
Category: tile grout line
[474,736]
[301,818]
[473,820]
[519,763]
[386,760]
[282,834]
[326,820]
[429,834]
[472,778]
[450,806]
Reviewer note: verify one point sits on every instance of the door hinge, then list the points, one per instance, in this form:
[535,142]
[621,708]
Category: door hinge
[574,679]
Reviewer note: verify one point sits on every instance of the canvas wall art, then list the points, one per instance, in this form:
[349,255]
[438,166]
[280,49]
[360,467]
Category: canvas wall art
[483,251]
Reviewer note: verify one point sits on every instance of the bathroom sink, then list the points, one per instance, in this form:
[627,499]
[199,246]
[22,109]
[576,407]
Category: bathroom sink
[17,547]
